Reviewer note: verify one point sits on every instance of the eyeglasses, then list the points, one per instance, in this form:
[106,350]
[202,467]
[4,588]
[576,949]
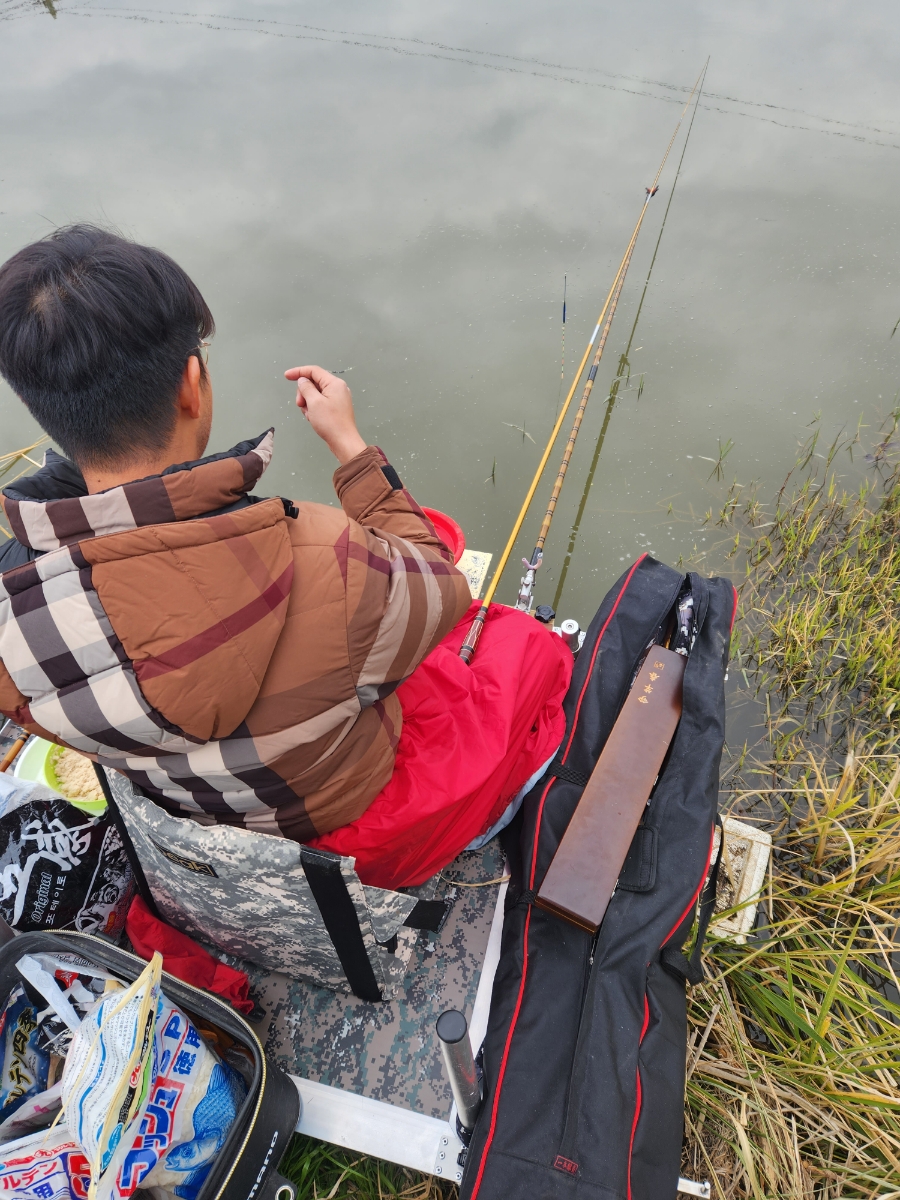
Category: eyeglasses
[202,352]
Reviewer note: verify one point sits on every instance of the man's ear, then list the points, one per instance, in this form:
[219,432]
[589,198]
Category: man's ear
[189,400]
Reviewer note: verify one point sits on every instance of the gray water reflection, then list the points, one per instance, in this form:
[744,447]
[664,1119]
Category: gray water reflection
[397,191]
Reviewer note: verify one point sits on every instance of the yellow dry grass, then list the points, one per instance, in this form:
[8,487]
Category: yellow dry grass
[794,1047]
[794,1052]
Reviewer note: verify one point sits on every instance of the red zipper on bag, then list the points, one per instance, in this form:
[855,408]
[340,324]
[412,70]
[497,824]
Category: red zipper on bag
[540,816]
[669,935]
[594,656]
[638,1094]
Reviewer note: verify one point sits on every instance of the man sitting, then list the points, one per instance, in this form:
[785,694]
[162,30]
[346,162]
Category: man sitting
[236,657]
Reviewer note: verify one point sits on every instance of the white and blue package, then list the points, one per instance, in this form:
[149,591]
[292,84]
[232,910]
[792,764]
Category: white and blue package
[194,1099]
[26,1063]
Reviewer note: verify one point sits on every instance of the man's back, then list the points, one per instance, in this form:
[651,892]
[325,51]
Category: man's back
[239,658]
[234,657]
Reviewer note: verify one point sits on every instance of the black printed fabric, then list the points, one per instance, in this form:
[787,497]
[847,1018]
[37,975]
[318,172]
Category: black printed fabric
[584,1056]
[61,868]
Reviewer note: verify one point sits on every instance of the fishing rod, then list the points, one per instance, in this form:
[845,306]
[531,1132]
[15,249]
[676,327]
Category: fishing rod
[526,589]
[623,364]
[467,650]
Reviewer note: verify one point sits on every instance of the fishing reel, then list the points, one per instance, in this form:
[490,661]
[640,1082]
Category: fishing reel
[526,588]
[570,631]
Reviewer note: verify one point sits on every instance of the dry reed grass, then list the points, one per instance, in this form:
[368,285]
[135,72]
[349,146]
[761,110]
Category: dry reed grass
[794,1045]
[21,459]
[794,1049]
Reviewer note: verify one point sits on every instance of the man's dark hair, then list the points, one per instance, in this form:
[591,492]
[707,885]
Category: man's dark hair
[95,332]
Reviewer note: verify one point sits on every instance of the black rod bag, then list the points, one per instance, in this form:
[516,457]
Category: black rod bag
[584,1056]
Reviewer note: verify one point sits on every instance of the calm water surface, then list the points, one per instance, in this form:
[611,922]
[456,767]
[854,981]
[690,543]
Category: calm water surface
[397,190]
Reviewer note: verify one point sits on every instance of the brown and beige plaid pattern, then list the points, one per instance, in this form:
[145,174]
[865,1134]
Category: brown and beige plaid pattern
[173,496]
[239,667]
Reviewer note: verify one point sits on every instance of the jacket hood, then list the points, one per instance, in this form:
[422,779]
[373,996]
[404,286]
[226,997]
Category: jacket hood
[152,612]
[52,507]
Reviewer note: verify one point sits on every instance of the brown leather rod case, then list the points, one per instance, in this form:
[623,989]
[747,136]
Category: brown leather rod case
[582,876]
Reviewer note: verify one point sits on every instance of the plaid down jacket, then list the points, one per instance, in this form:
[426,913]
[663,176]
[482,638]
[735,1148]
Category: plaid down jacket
[235,657]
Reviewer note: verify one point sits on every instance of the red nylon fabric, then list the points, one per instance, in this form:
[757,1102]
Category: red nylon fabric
[184,959]
[472,735]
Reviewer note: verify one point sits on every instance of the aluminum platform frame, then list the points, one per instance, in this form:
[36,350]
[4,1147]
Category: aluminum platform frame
[399,1135]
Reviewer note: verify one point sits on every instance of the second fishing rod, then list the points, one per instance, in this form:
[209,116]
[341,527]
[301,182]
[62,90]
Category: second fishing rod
[467,650]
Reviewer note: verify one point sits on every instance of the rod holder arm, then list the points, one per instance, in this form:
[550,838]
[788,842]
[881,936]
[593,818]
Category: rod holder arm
[453,1034]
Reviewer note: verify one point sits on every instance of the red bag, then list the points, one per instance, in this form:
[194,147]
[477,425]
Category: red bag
[184,959]
[471,737]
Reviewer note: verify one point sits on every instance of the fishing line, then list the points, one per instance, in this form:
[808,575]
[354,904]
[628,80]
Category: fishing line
[202,21]
[527,586]
[348,38]
[467,649]
[623,364]
[562,353]
[14,11]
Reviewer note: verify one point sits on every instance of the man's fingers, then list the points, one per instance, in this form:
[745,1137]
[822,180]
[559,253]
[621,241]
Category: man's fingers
[306,390]
[318,375]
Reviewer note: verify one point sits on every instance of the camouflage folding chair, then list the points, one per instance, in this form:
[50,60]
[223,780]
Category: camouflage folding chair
[271,901]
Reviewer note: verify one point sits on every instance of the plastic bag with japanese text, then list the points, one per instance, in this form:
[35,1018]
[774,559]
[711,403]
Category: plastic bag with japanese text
[61,868]
[193,1102]
[48,1165]
[108,1074]
[25,1061]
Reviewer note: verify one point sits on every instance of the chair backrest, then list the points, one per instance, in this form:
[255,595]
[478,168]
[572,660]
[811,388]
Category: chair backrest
[271,901]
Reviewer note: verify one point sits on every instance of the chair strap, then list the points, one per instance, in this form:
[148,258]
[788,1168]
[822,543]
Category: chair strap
[329,889]
[428,915]
[115,814]
[569,774]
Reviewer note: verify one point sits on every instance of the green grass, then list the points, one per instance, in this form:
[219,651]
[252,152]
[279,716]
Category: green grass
[323,1172]
[794,1055]
[820,625]
[795,1037]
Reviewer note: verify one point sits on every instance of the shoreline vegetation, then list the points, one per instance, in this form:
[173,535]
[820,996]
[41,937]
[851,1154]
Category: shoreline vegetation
[794,1037]
[793,1062]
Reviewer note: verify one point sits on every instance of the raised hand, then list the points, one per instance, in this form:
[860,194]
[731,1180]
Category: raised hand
[326,402]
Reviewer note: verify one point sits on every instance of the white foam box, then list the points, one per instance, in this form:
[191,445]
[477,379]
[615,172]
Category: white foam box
[742,877]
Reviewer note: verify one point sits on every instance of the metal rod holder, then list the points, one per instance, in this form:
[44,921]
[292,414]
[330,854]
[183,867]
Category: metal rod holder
[570,632]
[453,1033]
